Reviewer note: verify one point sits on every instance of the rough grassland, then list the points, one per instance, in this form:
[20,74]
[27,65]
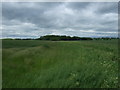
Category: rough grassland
[60,64]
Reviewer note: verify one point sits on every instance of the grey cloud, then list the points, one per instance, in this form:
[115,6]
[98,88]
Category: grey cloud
[66,18]
[78,6]
[108,8]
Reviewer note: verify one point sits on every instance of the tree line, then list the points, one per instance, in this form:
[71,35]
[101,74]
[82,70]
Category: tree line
[64,38]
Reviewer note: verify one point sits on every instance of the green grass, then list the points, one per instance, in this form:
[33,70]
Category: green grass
[60,64]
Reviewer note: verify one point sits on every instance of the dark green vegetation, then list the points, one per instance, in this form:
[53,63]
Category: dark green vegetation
[60,64]
[69,38]
[64,38]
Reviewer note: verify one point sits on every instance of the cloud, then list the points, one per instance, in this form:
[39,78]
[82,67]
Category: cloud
[84,19]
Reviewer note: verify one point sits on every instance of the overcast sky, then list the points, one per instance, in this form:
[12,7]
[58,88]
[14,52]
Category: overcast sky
[32,20]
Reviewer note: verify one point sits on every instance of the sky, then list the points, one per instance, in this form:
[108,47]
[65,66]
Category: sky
[83,19]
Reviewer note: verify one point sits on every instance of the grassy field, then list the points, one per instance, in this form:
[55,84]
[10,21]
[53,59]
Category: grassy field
[60,64]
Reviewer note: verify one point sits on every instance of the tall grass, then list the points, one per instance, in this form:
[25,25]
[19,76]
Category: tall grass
[63,64]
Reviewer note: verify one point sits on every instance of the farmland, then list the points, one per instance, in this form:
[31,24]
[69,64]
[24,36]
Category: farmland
[60,64]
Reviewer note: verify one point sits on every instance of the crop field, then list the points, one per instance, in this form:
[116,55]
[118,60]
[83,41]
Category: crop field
[60,64]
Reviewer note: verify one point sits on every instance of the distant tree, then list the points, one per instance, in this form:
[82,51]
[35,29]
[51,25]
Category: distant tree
[64,38]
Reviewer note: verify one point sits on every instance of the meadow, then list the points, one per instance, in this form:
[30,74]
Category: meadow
[60,64]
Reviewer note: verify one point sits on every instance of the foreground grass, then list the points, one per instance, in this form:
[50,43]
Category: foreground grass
[60,64]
